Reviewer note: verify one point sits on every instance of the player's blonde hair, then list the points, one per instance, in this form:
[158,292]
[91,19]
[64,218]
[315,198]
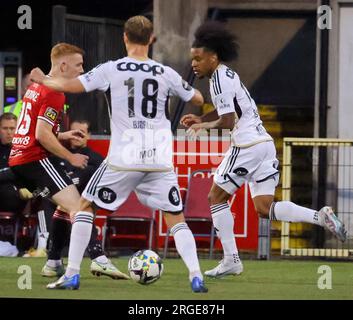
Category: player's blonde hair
[64,49]
[139,30]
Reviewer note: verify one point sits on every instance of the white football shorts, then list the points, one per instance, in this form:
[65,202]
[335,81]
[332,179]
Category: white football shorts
[256,165]
[109,189]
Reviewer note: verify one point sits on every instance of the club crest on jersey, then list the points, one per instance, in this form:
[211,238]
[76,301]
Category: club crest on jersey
[51,114]
[106,195]
[174,197]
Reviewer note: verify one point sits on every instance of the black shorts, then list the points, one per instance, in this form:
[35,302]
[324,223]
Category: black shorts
[46,176]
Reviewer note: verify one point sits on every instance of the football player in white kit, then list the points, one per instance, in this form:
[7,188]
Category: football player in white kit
[252,155]
[140,153]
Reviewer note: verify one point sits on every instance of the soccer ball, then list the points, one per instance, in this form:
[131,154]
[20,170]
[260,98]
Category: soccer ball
[145,266]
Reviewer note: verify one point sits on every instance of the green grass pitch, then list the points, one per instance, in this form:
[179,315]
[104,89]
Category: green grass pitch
[280,279]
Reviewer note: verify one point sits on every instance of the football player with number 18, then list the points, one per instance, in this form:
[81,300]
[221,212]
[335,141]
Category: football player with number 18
[140,157]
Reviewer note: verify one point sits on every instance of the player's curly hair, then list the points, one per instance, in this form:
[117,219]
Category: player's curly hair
[213,36]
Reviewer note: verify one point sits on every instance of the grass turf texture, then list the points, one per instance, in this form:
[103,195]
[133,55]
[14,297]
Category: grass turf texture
[283,279]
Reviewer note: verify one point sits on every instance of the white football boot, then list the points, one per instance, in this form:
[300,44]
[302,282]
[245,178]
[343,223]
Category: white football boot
[332,223]
[223,269]
[107,269]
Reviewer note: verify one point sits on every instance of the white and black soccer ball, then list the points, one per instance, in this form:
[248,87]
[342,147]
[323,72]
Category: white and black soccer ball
[145,266]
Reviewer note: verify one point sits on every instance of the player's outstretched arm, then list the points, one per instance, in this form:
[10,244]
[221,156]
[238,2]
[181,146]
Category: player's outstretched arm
[56,83]
[197,99]
[225,121]
[189,119]
[211,116]
[64,85]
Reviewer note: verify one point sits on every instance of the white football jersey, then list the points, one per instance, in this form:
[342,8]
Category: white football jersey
[141,137]
[230,95]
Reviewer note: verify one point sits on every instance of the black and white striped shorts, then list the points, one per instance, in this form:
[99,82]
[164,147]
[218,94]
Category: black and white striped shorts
[46,175]
[255,165]
[109,189]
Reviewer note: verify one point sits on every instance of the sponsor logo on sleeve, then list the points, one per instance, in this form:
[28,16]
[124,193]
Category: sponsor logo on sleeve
[51,114]
[222,104]
[186,85]
[88,76]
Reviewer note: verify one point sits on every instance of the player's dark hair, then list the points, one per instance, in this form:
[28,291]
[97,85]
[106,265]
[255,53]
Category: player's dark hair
[214,37]
[82,121]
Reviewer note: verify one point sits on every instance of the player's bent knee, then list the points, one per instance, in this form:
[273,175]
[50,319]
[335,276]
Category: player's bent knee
[263,211]
[174,213]
[85,205]
[263,215]
[263,204]
[217,195]
[210,197]
[67,198]
[173,218]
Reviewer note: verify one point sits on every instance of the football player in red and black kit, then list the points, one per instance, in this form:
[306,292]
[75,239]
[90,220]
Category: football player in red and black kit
[36,150]
[37,136]
[37,140]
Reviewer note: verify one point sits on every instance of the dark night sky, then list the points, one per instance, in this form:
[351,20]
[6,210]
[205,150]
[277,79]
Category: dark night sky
[35,44]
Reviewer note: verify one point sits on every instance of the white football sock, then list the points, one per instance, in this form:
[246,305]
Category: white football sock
[42,240]
[186,247]
[290,212]
[43,233]
[223,222]
[80,236]
[54,263]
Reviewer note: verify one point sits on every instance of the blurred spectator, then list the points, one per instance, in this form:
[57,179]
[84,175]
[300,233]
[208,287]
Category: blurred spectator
[16,107]
[10,198]
[82,176]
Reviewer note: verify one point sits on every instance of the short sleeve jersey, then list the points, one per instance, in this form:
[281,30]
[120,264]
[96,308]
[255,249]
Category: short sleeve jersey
[230,95]
[141,137]
[39,102]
